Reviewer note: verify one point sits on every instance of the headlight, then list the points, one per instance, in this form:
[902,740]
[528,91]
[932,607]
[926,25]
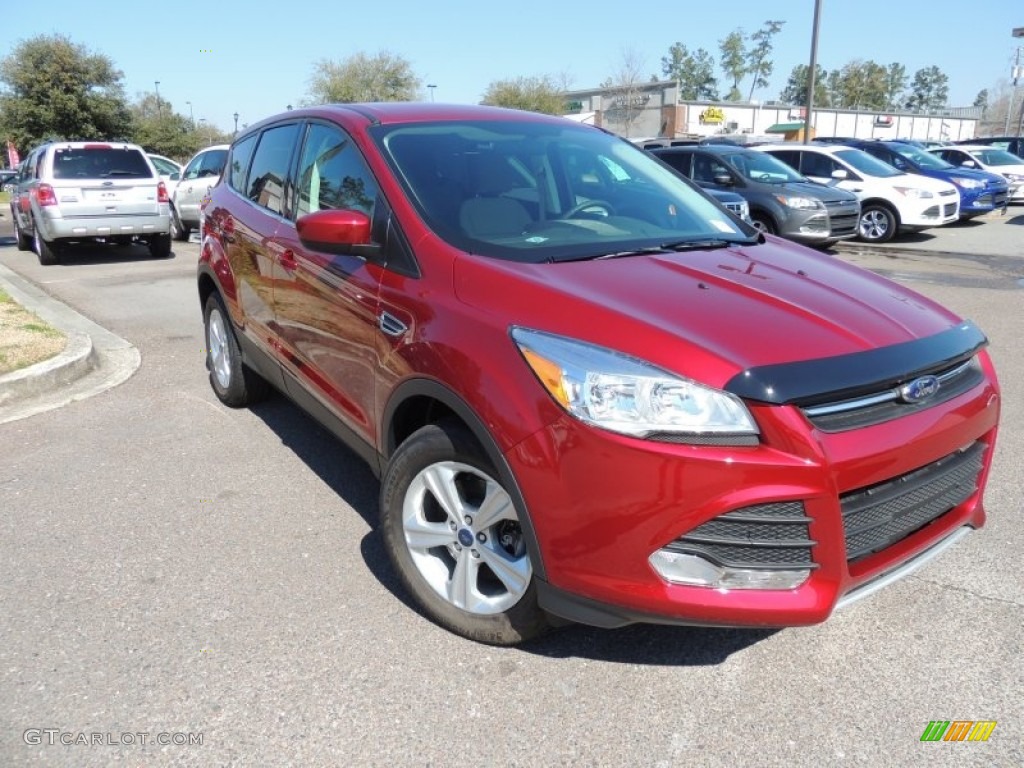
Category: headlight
[799,202]
[967,183]
[922,194]
[623,394]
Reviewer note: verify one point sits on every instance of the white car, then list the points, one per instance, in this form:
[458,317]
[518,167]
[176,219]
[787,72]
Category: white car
[169,170]
[891,201]
[992,159]
[197,180]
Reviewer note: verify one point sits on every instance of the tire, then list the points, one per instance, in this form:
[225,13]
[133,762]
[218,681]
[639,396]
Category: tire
[160,246]
[178,230]
[46,251]
[763,223]
[473,531]
[24,241]
[877,224]
[234,383]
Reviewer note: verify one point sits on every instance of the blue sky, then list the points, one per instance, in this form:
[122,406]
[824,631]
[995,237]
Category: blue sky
[260,57]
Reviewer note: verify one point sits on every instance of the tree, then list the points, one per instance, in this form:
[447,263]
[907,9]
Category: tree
[861,85]
[383,77]
[695,73]
[895,84]
[534,94]
[759,63]
[733,61]
[627,100]
[58,89]
[158,128]
[795,91]
[981,100]
[929,89]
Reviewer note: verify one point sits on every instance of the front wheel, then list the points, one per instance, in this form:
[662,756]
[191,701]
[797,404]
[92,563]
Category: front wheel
[877,224]
[763,223]
[454,536]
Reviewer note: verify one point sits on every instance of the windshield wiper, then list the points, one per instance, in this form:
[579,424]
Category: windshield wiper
[679,246]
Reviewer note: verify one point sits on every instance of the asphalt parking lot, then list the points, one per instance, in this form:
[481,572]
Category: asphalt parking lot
[171,566]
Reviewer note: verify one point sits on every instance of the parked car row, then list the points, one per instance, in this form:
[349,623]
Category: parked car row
[838,188]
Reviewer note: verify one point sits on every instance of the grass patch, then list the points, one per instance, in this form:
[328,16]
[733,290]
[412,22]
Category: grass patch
[25,339]
[5,197]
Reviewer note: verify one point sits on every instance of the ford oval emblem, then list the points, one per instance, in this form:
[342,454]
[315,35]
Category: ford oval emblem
[919,389]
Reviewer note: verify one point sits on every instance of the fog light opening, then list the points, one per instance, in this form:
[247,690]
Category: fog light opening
[695,571]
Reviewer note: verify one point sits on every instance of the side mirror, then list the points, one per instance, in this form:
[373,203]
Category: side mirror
[337,231]
[969,164]
[723,179]
[839,174]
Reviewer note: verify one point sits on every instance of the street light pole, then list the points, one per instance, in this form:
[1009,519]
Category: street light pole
[812,72]
[191,118]
[159,109]
[236,124]
[431,87]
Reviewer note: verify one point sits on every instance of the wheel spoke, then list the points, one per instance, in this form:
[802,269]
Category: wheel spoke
[462,587]
[496,506]
[421,535]
[514,574]
[440,480]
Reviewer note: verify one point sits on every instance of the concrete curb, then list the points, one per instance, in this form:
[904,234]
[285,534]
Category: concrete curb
[77,359]
[94,359]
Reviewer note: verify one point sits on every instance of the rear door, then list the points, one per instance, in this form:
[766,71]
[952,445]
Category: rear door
[102,180]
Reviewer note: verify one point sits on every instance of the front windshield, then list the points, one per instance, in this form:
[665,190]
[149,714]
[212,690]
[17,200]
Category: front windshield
[996,157]
[922,158]
[867,164]
[534,191]
[758,166]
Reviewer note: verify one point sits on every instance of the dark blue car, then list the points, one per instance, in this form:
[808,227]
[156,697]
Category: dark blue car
[980,191]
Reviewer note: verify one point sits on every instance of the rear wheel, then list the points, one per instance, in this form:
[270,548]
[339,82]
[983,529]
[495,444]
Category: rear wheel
[24,241]
[178,230]
[453,534]
[233,382]
[160,246]
[45,250]
[877,224]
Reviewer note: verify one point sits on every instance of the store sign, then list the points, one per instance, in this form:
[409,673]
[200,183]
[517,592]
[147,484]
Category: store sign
[883,120]
[712,115]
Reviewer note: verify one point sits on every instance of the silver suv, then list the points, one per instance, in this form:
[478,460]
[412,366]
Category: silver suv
[197,180]
[71,191]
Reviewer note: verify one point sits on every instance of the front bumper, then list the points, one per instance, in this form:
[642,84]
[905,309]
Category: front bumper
[929,212]
[605,503]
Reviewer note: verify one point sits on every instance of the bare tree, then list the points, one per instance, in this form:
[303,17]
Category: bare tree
[624,90]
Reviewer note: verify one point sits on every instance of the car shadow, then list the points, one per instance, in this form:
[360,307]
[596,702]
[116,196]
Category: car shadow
[1018,219]
[102,253]
[348,476]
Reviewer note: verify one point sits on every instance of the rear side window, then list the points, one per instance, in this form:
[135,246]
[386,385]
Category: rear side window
[678,160]
[162,166]
[99,163]
[240,155]
[269,170]
[821,166]
[790,158]
[332,174]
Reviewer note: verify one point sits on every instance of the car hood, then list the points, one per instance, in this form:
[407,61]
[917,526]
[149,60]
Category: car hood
[813,189]
[920,182]
[946,174]
[707,314]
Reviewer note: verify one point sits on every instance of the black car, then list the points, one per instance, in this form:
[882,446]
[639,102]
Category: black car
[782,202]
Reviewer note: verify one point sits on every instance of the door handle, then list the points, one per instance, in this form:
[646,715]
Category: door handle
[288,261]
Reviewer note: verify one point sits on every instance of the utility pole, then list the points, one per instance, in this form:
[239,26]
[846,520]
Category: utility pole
[159,108]
[812,72]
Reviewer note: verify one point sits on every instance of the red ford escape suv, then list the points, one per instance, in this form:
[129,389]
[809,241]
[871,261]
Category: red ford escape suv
[591,393]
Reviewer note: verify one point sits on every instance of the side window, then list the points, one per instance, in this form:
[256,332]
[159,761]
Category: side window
[705,168]
[192,169]
[332,174]
[241,153]
[678,160]
[820,166]
[269,171]
[789,157]
[212,163]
